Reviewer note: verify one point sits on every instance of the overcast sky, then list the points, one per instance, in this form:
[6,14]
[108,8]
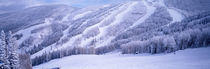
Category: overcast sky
[11,5]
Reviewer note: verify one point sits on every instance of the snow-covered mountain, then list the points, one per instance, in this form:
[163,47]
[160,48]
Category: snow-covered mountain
[146,26]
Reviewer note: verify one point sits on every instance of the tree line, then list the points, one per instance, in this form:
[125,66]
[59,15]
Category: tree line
[9,56]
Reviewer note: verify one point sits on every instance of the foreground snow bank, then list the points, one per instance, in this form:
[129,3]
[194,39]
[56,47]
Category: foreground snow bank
[198,58]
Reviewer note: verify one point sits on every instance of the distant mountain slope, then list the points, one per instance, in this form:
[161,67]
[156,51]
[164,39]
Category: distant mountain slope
[135,27]
[147,26]
[15,21]
[101,26]
[190,7]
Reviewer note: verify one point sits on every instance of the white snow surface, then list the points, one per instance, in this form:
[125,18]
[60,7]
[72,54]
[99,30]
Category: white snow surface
[81,15]
[176,16]
[106,5]
[197,58]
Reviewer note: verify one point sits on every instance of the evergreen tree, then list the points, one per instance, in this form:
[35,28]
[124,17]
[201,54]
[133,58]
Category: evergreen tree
[3,51]
[12,54]
[2,45]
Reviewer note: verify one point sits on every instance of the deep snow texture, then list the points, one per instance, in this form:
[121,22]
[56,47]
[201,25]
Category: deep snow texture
[197,58]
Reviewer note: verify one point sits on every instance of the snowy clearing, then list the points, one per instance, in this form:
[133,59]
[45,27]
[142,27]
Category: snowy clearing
[197,58]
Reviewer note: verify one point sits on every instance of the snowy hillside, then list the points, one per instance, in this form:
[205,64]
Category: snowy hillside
[25,18]
[106,24]
[146,26]
[135,27]
[184,59]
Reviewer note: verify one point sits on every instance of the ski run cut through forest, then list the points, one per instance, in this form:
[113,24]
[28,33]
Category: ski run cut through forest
[129,34]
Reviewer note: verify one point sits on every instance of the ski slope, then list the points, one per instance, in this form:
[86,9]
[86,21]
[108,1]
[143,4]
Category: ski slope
[27,32]
[176,16]
[150,10]
[197,58]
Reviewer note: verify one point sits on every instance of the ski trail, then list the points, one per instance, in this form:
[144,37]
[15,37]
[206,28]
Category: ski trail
[176,16]
[118,14]
[26,33]
[118,19]
[150,10]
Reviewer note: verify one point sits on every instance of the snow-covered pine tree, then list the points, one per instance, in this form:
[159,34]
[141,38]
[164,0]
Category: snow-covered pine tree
[12,55]
[3,51]
[2,45]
